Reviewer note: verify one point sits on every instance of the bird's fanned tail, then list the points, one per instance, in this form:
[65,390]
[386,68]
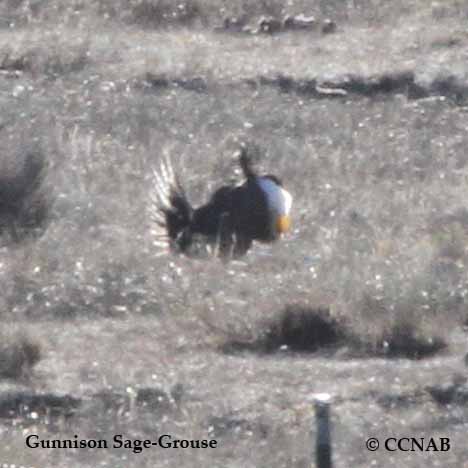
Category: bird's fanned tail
[170,210]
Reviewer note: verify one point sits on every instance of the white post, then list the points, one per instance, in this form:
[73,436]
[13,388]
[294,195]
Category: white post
[323,448]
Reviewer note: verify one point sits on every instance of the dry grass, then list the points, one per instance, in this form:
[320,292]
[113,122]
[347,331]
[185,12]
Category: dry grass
[157,13]
[380,226]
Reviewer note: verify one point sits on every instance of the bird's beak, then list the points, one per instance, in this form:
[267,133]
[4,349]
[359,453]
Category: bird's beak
[283,223]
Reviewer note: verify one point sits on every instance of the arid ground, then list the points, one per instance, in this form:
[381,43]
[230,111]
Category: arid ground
[104,332]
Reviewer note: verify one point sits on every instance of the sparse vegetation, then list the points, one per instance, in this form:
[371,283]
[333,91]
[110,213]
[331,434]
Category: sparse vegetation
[304,329]
[19,353]
[298,328]
[367,129]
[405,340]
[24,203]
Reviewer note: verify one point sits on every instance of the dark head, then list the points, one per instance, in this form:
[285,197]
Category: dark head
[246,163]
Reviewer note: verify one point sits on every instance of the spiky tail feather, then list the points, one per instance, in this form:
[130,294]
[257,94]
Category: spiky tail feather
[170,210]
[246,163]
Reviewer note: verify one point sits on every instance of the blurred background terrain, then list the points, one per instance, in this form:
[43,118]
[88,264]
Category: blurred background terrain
[363,114]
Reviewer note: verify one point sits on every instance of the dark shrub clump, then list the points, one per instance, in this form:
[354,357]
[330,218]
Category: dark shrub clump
[297,328]
[304,328]
[405,340]
[24,203]
[18,356]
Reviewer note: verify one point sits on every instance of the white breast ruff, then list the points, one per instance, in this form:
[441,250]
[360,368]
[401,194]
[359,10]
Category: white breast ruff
[279,199]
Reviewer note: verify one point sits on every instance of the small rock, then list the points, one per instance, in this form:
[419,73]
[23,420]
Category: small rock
[299,22]
[269,25]
[234,24]
[328,27]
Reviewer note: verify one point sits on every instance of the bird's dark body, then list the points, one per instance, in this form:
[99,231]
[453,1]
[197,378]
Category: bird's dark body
[231,220]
